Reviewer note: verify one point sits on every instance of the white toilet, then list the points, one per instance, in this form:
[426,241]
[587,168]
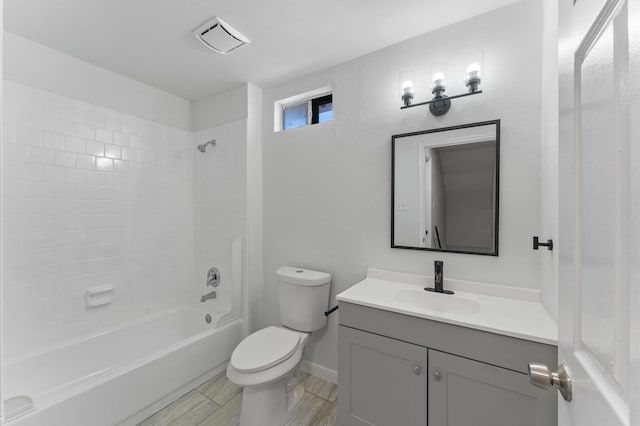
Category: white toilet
[265,361]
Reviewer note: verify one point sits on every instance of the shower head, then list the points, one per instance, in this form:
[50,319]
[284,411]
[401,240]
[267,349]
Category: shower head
[203,147]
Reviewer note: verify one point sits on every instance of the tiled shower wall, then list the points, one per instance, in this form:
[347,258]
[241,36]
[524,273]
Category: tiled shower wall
[92,198]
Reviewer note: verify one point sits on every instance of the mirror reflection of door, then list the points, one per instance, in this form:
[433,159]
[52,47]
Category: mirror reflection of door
[445,185]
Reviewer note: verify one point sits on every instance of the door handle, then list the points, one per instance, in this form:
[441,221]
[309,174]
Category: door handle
[541,377]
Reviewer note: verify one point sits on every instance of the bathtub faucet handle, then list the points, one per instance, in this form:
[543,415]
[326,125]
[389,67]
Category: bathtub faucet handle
[207,296]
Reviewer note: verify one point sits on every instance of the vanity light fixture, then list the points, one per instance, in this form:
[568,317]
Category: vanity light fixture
[441,103]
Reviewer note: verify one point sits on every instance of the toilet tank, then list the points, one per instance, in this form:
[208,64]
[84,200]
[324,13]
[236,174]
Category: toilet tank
[303,296]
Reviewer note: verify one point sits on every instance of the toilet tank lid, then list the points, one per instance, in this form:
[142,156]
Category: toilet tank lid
[300,276]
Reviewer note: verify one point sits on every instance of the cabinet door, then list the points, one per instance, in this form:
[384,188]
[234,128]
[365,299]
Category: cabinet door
[382,381]
[463,392]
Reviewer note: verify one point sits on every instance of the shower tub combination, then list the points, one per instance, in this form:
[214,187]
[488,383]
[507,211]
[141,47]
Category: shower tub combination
[119,376]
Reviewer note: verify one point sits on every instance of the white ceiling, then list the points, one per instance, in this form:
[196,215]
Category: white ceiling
[152,41]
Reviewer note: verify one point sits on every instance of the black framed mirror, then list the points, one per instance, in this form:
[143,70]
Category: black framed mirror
[445,189]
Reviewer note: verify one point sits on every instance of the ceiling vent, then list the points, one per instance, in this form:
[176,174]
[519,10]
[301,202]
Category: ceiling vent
[220,37]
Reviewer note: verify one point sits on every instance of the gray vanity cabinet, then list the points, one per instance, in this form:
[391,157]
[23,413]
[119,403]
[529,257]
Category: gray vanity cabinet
[463,392]
[396,369]
[386,384]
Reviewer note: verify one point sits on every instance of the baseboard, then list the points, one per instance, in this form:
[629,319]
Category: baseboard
[319,371]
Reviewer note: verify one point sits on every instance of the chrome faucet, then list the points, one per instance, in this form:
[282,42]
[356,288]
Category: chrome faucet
[438,278]
[207,296]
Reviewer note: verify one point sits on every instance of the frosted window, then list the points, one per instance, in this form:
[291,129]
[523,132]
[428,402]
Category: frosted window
[295,116]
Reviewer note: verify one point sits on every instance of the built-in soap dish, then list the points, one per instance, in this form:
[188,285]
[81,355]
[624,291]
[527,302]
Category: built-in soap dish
[17,406]
[98,296]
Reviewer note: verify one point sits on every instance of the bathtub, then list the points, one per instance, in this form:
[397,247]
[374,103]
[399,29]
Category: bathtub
[119,376]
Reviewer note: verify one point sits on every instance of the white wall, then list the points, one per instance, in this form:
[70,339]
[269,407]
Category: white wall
[91,197]
[253,297]
[220,209]
[327,187]
[550,175]
[222,108]
[38,66]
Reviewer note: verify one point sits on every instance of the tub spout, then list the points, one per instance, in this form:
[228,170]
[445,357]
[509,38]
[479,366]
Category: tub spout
[207,296]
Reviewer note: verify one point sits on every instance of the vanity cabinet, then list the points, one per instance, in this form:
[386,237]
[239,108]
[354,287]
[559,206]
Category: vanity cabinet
[386,384]
[395,369]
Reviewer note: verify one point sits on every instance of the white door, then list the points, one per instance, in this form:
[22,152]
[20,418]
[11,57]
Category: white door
[599,209]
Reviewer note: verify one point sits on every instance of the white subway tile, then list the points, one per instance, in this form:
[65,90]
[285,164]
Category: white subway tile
[39,155]
[95,177]
[112,179]
[53,174]
[76,145]
[100,236]
[85,132]
[65,127]
[113,123]
[103,135]
[29,171]
[71,219]
[121,166]
[104,164]
[135,142]
[65,191]
[65,159]
[8,133]
[95,148]
[121,139]
[128,154]
[28,136]
[16,152]
[41,121]
[112,151]
[94,118]
[52,140]
[76,176]
[42,223]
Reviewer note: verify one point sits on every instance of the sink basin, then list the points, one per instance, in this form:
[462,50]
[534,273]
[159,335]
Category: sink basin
[437,302]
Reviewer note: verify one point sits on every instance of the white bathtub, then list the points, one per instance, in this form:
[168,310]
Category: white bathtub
[121,376]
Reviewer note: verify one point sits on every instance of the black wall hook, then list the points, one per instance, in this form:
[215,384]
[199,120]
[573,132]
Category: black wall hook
[536,244]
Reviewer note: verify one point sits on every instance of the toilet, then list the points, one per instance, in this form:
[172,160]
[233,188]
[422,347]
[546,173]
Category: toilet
[264,362]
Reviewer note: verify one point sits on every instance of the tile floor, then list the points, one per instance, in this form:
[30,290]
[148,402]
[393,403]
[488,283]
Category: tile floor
[217,403]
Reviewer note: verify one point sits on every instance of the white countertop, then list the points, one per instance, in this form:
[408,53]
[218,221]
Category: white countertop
[516,314]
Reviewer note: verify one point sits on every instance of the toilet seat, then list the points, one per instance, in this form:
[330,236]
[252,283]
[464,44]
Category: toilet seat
[264,349]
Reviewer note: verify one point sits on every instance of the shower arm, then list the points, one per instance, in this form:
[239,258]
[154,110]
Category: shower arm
[203,147]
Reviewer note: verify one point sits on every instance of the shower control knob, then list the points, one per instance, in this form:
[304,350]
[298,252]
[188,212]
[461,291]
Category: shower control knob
[213,277]
[437,375]
[417,370]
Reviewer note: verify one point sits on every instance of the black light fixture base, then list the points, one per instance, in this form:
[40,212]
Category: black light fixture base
[431,289]
[440,105]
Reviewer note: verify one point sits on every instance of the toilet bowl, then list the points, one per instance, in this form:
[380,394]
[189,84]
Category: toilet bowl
[264,362]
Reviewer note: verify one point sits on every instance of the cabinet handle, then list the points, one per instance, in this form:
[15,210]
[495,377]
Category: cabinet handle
[417,370]
[437,375]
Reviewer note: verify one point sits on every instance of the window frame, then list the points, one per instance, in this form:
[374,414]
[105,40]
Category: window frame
[313,109]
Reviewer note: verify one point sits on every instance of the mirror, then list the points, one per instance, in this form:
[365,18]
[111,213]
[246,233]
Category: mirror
[445,189]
